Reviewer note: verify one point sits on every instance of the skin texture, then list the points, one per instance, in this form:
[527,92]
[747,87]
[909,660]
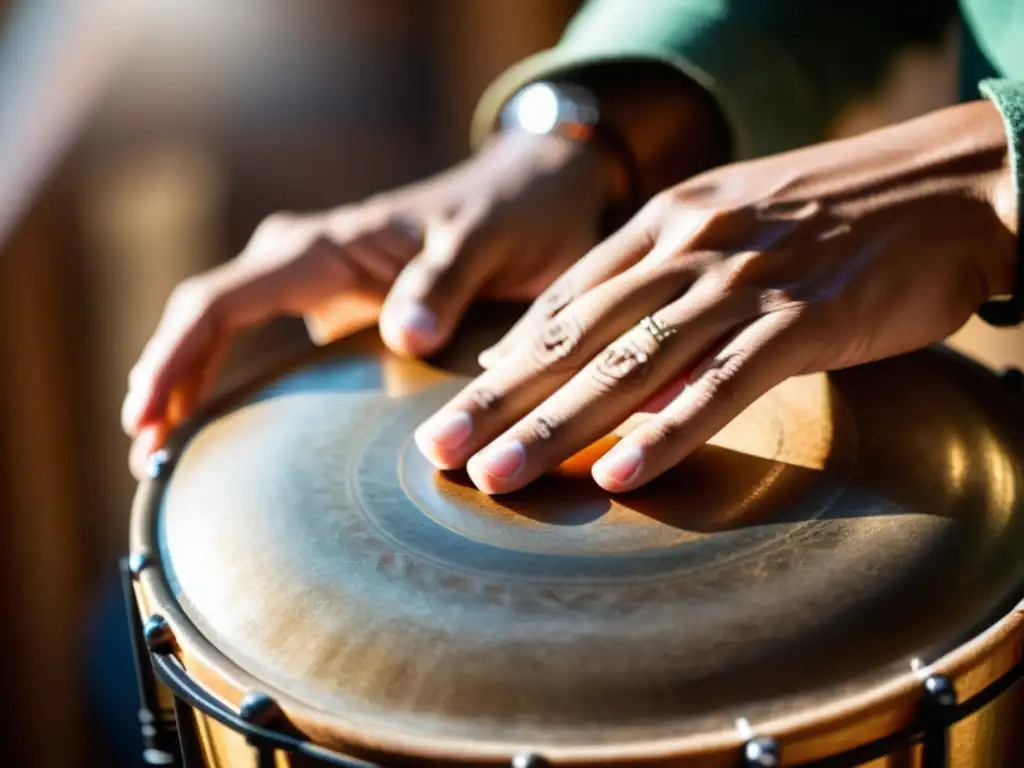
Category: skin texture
[502,225]
[813,260]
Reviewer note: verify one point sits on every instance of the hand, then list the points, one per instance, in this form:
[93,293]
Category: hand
[813,260]
[502,225]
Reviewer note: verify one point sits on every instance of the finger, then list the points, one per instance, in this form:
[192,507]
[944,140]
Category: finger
[149,440]
[206,382]
[683,378]
[209,310]
[607,391]
[176,350]
[433,291]
[538,367]
[608,259]
[761,356]
[401,239]
[188,395]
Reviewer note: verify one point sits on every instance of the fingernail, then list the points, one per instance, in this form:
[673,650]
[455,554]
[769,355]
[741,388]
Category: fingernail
[417,319]
[452,430]
[503,461]
[621,464]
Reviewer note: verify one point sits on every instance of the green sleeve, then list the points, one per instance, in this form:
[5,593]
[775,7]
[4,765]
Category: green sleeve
[778,70]
[1008,96]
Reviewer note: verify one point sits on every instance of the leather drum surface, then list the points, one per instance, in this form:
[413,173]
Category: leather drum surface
[840,529]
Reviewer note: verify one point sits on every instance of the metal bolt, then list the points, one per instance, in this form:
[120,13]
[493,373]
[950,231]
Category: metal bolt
[257,708]
[529,760]
[761,752]
[158,464]
[158,634]
[940,690]
[138,562]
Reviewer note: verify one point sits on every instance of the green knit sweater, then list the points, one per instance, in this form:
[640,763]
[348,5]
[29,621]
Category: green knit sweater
[780,70]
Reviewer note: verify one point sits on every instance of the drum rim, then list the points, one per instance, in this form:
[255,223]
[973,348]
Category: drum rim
[806,735]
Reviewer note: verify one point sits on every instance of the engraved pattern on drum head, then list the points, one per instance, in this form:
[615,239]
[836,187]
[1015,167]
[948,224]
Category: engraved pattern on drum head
[608,584]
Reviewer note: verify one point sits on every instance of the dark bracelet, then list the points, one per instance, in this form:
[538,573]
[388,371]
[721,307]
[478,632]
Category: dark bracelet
[1003,312]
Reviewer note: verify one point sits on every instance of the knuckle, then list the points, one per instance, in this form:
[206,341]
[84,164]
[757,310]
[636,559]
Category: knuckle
[193,297]
[719,383]
[742,272]
[725,227]
[658,207]
[623,364]
[274,224]
[775,300]
[557,297]
[543,427]
[557,340]
[485,399]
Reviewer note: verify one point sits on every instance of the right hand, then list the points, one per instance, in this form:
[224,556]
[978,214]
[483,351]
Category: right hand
[502,225]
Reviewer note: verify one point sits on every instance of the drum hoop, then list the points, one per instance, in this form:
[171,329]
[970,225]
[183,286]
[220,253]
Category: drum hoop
[218,684]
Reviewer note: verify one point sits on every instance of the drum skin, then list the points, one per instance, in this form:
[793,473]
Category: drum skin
[845,536]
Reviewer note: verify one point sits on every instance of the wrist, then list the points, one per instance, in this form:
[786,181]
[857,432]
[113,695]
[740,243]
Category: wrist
[571,116]
[580,167]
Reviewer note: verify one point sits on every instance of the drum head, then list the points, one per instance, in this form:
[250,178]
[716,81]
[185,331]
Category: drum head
[842,532]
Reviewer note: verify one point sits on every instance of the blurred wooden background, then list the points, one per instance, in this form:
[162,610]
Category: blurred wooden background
[226,111]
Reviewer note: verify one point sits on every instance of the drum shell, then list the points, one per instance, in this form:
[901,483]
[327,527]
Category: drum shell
[986,739]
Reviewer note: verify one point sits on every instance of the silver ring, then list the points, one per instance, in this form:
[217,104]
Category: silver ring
[658,330]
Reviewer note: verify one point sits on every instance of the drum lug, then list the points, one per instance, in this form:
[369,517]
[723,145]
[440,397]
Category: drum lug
[529,760]
[937,711]
[259,709]
[158,727]
[761,752]
[138,562]
[159,464]
[158,635]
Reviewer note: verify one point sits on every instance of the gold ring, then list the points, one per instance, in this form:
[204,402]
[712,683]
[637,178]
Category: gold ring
[658,330]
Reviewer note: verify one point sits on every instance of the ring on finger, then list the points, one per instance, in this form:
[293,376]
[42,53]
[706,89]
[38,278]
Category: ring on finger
[657,329]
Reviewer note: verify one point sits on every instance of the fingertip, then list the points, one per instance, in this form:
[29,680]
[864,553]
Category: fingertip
[429,448]
[620,469]
[488,358]
[411,329]
[499,468]
[484,482]
[150,439]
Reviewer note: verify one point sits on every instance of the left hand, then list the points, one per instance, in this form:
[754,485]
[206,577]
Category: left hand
[812,260]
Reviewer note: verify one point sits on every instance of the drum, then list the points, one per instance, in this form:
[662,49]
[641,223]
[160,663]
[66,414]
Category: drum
[834,580]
